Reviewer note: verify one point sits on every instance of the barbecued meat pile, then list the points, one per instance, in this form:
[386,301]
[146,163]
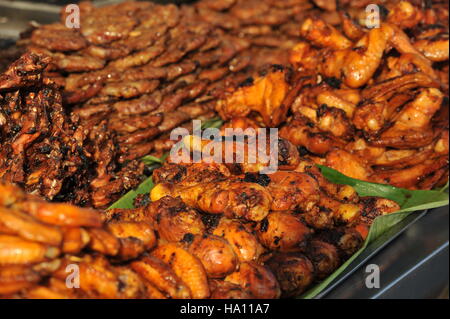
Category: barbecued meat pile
[371,103]
[212,230]
[135,70]
[129,75]
[142,68]
[49,152]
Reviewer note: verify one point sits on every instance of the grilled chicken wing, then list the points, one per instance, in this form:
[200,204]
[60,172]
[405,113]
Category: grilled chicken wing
[186,266]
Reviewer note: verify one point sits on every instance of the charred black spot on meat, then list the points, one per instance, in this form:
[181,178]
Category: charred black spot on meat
[247,82]
[303,151]
[211,220]
[384,12]
[283,152]
[276,240]
[261,179]
[187,238]
[334,82]
[45,149]
[264,224]
[142,200]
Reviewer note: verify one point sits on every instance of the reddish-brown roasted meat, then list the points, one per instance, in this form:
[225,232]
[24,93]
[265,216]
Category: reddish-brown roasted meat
[49,153]
[131,62]
[369,102]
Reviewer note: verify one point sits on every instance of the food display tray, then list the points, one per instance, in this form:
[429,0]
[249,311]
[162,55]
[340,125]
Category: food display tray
[412,256]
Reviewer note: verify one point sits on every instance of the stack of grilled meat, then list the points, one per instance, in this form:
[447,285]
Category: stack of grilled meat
[212,230]
[143,69]
[47,151]
[127,76]
[369,102]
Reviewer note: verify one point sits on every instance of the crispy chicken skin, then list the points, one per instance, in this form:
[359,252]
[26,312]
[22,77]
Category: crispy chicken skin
[235,152]
[301,135]
[135,238]
[15,278]
[190,173]
[216,255]
[283,231]
[161,276]
[291,190]
[324,257]
[15,250]
[244,243]
[348,164]
[168,249]
[259,280]
[173,220]
[346,239]
[226,290]
[361,96]
[186,266]
[74,239]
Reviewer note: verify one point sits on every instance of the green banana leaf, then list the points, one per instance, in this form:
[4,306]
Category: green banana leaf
[127,200]
[151,160]
[409,201]
[215,122]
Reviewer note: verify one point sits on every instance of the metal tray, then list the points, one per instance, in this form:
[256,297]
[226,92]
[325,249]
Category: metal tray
[413,259]
[413,255]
